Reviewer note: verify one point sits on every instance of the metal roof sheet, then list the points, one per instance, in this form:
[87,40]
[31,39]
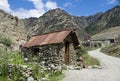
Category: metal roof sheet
[48,38]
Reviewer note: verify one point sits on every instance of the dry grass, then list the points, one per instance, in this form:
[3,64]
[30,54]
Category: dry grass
[87,60]
[109,33]
[113,50]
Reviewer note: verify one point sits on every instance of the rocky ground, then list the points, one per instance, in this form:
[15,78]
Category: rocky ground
[110,70]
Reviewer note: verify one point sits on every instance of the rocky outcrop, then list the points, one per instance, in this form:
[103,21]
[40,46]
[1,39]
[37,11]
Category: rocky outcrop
[13,28]
[53,20]
[29,22]
[110,18]
[85,21]
[58,19]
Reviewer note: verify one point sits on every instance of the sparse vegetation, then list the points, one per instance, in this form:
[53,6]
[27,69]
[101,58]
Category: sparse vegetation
[11,58]
[87,60]
[113,50]
[16,18]
[14,60]
[90,60]
[5,41]
[57,76]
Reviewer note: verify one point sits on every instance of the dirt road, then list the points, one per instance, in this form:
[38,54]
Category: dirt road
[110,69]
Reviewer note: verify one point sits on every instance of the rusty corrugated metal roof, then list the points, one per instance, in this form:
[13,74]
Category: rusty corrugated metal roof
[48,38]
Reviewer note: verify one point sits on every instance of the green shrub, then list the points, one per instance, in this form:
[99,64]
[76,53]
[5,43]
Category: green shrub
[4,79]
[81,52]
[57,76]
[6,41]
[4,70]
[16,74]
[12,58]
[64,67]
[87,60]
[36,72]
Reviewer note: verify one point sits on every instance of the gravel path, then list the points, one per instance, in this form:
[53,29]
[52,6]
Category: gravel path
[110,70]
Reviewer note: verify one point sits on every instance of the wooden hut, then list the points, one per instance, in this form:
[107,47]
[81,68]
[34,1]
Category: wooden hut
[57,47]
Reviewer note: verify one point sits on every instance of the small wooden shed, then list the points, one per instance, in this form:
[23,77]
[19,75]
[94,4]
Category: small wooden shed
[65,40]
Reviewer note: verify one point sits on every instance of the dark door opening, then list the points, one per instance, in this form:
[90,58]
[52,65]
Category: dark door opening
[112,40]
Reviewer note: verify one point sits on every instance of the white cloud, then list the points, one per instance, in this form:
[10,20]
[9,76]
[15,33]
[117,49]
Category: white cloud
[39,8]
[4,5]
[51,5]
[23,13]
[38,4]
[67,4]
[111,1]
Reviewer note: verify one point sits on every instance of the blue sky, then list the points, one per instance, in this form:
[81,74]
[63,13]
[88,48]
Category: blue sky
[36,8]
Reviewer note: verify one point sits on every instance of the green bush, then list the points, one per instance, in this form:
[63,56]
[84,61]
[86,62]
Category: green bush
[36,72]
[87,60]
[57,76]
[16,74]
[4,70]
[12,58]
[6,41]
[15,59]
[81,52]
[4,79]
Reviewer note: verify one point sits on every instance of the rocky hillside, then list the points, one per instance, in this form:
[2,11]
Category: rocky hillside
[110,18]
[13,28]
[85,21]
[58,19]
[114,49]
[112,32]
[53,20]
[29,22]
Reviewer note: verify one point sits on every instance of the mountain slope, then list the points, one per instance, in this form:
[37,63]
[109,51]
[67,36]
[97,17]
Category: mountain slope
[11,27]
[29,22]
[112,32]
[110,18]
[85,21]
[56,19]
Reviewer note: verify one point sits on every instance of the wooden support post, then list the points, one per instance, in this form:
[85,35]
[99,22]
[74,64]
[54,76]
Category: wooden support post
[67,56]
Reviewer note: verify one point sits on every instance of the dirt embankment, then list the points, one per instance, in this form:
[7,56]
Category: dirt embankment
[113,50]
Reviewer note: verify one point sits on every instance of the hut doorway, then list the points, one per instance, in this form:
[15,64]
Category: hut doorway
[67,53]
